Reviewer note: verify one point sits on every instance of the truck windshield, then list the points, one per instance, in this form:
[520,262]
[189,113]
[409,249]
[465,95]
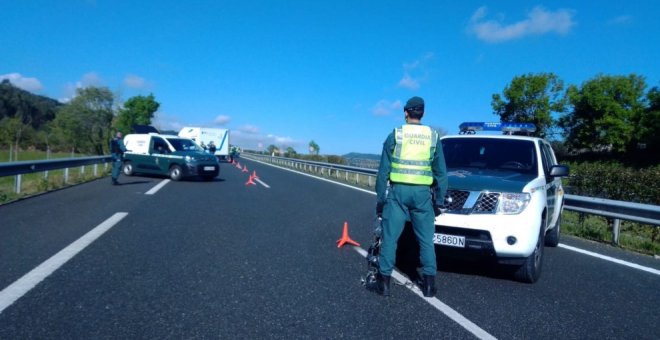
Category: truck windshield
[184,144]
[490,153]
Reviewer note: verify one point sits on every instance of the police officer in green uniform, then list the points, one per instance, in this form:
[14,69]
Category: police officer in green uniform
[117,149]
[413,163]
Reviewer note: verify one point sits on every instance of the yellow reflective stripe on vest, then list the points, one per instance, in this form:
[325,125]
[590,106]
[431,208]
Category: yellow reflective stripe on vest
[413,152]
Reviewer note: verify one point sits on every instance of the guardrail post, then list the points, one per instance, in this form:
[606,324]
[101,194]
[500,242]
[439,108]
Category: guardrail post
[66,176]
[18,184]
[357,178]
[95,169]
[616,226]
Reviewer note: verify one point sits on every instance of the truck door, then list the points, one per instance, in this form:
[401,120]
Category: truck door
[551,183]
[160,152]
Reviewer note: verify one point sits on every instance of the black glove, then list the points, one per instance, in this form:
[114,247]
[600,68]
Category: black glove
[379,209]
[439,209]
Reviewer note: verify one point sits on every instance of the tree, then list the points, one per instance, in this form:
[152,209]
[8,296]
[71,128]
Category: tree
[604,112]
[649,121]
[12,131]
[290,152]
[136,110]
[84,123]
[272,149]
[531,98]
[314,148]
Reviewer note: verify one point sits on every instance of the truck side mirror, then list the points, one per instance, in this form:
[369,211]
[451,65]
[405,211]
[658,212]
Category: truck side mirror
[559,171]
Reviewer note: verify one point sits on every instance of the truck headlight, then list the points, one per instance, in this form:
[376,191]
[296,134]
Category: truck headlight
[513,203]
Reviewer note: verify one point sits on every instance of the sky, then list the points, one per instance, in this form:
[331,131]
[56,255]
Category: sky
[334,72]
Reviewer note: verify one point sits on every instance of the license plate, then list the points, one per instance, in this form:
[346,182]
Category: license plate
[209,168]
[449,240]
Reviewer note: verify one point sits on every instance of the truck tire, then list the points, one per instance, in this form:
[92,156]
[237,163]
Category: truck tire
[530,270]
[552,237]
[127,168]
[176,173]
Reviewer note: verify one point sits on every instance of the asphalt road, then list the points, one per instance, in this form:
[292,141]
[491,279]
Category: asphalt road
[224,259]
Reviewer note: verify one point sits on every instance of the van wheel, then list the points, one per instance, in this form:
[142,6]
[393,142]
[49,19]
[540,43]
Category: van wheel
[530,271]
[552,237]
[176,173]
[127,169]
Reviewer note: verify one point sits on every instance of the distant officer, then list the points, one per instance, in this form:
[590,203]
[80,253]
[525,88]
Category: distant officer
[117,148]
[413,162]
[212,148]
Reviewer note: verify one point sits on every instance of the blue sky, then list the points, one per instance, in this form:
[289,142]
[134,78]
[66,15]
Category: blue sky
[336,72]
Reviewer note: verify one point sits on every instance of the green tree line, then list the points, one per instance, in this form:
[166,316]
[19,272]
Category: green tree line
[83,125]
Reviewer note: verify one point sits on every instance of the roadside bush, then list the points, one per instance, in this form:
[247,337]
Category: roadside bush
[612,180]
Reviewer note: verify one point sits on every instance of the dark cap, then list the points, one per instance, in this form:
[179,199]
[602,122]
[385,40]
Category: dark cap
[414,103]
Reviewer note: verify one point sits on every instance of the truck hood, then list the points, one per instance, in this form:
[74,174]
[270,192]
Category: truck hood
[487,180]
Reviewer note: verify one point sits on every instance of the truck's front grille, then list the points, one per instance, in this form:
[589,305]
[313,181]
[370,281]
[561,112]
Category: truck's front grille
[486,203]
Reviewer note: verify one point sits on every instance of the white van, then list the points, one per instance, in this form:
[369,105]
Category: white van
[203,136]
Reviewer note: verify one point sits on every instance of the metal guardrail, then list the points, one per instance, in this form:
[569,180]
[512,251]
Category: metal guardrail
[611,209]
[25,167]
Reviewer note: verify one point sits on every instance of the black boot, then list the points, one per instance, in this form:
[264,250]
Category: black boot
[429,286]
[383,284]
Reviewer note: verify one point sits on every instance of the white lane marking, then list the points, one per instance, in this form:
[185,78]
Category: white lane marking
[439,305]
[319,178]
[611,259]
[262,183]
[586,252]
[23,285]
[157,187]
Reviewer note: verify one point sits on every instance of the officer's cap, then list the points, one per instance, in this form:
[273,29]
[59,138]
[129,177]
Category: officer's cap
[415,103]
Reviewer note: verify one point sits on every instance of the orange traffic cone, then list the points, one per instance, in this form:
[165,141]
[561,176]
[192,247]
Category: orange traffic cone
[238,165]
[345,238]
[245,169]
[254,174]
[250,182]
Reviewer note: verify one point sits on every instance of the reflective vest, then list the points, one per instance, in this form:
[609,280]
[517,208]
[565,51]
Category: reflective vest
[413,153]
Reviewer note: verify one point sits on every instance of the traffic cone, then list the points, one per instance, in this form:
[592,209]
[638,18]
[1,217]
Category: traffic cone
[238,165]
[345,238]
[254,174]
[245,169]
[250,182]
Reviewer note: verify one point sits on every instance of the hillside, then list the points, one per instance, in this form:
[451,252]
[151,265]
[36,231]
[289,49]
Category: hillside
[33,109]
[362,160]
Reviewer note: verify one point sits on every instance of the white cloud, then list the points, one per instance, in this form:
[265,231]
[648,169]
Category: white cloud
[414,72]
[25,83]
[221,120]
[249,129]
[135,82]
[386,108]
[408,82]
[539,21]
[620,20]
[87,80]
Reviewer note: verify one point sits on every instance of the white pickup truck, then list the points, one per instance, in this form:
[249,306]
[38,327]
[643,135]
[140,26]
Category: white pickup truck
[504,199]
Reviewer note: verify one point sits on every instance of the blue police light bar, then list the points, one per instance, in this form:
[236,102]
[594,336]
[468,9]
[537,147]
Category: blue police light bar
[506,127]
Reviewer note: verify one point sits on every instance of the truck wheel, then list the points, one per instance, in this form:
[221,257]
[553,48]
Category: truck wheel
[530,271]
[127,169]
[176,173]
[552,237]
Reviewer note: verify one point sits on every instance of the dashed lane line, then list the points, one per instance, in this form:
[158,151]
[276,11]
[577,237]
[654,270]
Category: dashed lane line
[23,285]
[157,187]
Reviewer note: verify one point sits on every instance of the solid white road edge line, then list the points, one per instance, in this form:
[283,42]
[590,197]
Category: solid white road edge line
[611,259]
[157,187]
[23,285]
[585,252]
[439,305]
[316,177]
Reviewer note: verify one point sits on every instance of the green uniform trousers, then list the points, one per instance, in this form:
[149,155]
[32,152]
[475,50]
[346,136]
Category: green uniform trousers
[414,203]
